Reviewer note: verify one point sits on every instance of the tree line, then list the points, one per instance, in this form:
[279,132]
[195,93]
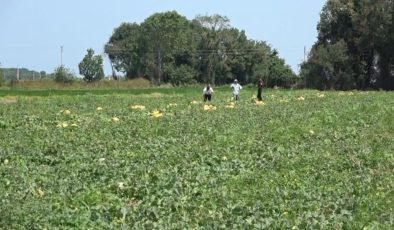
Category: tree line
[168,48]
[354,50]
[355,46]
[8,74]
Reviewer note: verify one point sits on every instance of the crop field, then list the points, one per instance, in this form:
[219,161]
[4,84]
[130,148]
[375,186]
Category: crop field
[165,160]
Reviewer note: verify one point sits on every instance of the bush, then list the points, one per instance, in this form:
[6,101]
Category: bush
[63,75]
[182,75]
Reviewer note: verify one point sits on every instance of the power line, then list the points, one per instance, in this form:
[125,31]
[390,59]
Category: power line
[200,52]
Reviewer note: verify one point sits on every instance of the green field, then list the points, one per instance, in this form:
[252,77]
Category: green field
[303,160]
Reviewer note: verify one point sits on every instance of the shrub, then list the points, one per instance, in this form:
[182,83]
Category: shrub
[63,75]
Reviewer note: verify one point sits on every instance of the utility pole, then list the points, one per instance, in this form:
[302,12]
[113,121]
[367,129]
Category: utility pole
[61,55]
[17,73]
[304,53]
[306,83]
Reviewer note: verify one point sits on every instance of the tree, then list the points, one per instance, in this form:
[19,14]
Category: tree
[365,29]
[43,74]
[241,55]
[91,67]
[126,49]
[63,75]
[166,35]
[167,47]
[180,75]
[330,67]
[210,45]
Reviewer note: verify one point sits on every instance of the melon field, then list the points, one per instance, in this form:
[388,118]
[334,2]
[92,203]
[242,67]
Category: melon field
[162,159]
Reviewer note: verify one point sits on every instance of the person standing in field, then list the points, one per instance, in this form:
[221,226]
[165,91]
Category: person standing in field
[207,93]
[259,89]
[236,88]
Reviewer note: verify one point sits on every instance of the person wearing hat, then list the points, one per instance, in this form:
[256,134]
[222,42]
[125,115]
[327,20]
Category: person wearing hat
[236,88]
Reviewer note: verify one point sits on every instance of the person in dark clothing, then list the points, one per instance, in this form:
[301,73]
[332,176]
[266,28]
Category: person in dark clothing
[259,89]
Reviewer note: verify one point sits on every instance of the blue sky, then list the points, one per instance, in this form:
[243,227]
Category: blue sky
[32,31]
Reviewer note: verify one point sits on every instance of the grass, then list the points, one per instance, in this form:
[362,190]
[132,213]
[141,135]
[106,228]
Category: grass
[76,92]
[303,160]
[49,84]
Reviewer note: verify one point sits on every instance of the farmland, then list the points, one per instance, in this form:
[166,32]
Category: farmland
[160,159]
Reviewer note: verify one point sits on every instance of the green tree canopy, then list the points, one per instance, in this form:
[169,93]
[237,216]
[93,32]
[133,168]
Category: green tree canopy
[91,66]
[168,48]
[166,36]
[355,46]
[126,48]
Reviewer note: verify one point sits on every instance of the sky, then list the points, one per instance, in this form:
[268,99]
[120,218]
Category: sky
[32,32]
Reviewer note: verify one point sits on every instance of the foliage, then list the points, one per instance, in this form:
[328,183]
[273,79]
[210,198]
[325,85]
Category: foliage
[110,85]
[210,33]
[182,75]
[74,90]
[279,74]
[207,46]
[361,32]
[24,74]
[65,163]
[91,67]
[126,48]
[166,37]
[63,75]
[332,63]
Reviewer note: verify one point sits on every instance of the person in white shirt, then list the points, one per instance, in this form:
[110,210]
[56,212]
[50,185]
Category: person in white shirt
[207,92]
[236,88]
